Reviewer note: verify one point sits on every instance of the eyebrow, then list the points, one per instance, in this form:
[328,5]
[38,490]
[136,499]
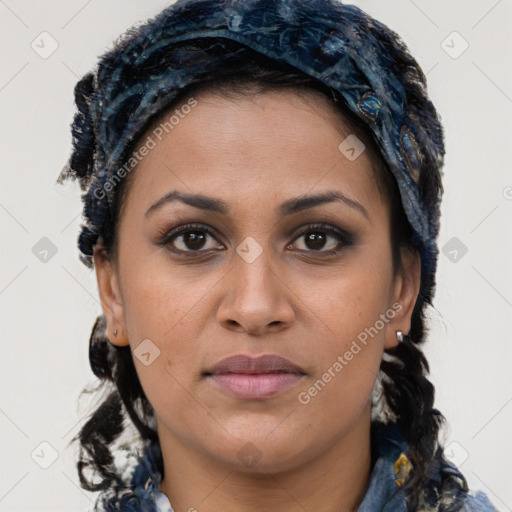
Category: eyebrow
[289,207]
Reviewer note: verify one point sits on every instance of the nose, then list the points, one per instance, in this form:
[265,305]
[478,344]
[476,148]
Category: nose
[256,300]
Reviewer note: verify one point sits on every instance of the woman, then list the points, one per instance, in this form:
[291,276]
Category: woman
[262,184]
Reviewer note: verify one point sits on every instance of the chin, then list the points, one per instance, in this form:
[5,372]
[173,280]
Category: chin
[258,452]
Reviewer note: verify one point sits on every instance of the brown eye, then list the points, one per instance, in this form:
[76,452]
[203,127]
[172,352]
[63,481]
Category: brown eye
[190,238]
[323,238]
[193,240]
[316,240]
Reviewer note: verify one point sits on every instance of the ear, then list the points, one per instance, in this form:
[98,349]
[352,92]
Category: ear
[405,292]
[110,296]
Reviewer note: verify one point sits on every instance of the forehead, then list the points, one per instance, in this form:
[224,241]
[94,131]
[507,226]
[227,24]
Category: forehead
[266,145]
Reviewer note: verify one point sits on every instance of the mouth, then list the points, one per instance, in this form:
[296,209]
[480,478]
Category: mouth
[252,378]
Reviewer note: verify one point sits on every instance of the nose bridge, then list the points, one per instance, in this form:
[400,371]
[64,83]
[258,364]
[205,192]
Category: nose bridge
[253,274]
[255,297]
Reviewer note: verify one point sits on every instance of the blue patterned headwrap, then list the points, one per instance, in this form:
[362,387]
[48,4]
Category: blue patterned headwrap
[339,45]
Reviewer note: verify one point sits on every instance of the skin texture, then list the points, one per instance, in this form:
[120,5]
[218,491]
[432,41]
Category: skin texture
[253,154]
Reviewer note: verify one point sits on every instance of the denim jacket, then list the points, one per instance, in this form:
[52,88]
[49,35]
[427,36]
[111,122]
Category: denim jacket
[445,489]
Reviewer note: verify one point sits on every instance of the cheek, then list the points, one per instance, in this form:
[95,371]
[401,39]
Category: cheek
[349,340]
[347,368]
[164,303]
[171,309]
[350,303]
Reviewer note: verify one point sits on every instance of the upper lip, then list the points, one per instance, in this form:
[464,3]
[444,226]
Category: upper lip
[267,363]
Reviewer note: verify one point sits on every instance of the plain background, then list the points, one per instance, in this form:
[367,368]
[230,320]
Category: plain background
[48,308]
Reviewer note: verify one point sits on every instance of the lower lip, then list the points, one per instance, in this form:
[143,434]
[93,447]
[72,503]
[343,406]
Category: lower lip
[255,386]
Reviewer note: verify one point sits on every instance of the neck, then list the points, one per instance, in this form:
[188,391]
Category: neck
[334,481]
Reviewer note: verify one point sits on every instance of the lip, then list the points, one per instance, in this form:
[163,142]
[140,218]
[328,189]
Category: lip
[254,378]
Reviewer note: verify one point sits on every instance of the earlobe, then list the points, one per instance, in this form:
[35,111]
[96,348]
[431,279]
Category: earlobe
[405,294]
[110,297]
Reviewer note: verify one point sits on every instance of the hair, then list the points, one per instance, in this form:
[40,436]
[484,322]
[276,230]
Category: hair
[407,394]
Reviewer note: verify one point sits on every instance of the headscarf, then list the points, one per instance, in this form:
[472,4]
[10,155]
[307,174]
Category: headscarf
[339,45]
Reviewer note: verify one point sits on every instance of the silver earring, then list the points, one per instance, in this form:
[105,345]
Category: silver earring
[399,336]
[115,332]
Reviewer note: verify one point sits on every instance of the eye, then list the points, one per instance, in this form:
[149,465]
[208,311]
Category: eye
[190,238]
[199,238]
[316,239]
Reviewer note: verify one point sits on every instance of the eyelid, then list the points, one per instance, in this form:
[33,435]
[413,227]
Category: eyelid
[322,226]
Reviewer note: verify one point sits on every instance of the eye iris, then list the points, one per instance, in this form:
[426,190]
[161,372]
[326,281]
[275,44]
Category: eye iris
[315,240]
[194,239]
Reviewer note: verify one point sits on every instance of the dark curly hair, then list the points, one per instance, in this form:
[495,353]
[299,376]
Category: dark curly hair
[407,396]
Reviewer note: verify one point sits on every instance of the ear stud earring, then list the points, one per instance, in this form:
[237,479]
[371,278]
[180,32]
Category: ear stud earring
[399,336]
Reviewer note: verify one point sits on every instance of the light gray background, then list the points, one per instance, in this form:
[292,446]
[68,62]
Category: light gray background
[48,308]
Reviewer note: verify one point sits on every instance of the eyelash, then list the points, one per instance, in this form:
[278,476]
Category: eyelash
[345,238]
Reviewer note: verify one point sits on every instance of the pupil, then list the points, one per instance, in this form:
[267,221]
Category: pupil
[315,240]
[194,239]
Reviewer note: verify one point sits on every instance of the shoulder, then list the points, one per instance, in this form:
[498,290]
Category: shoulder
[478,502]
[446,488]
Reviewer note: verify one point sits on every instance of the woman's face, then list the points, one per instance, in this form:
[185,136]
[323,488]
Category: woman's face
[250,278]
